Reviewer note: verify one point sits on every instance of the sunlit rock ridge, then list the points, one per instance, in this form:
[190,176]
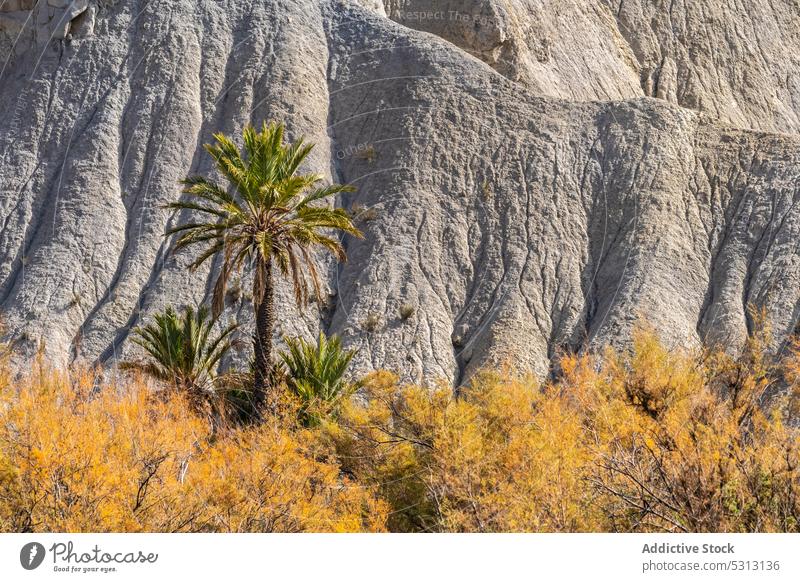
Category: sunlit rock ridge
[532,175]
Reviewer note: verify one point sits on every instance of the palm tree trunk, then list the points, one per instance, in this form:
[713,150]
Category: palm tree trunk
[262,341]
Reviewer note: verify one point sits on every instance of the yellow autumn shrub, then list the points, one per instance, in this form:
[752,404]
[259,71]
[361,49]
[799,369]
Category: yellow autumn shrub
[646,440]
[502,456]
[695,441]
[76,458]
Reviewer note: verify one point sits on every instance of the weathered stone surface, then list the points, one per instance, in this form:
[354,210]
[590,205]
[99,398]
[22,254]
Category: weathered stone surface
[737,61]
[30,25]
[552,207]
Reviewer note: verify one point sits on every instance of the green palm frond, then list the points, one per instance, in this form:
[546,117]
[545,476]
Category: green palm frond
[322,193]
[180,349]
[269,212]
[317,374]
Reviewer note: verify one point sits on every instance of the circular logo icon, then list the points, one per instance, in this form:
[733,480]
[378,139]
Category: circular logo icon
[31,555]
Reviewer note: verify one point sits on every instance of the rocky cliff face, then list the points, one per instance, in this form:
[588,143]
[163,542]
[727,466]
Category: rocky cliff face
[532,175]
[737,61]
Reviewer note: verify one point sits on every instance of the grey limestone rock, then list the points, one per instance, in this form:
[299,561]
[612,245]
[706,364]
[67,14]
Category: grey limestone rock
[542,176]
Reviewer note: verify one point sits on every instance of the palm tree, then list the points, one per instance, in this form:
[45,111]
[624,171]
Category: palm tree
[182,352]
[316,374]
[267,220]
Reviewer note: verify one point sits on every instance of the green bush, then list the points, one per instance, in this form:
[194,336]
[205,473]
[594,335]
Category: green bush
[317,375]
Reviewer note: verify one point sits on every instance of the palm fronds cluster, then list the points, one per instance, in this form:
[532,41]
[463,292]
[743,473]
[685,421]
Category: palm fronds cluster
[266,218]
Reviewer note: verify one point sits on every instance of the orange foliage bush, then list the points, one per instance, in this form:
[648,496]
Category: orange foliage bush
[503,456]
[651,440]
[76,459]
[646,440]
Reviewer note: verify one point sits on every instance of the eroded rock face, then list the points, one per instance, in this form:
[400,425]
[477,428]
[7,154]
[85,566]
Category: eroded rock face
[27,25]
[506,216]
[736,61]
[562,48]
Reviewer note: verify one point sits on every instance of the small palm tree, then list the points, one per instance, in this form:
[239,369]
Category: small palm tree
[182,352]
[316,374]
[268,220]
